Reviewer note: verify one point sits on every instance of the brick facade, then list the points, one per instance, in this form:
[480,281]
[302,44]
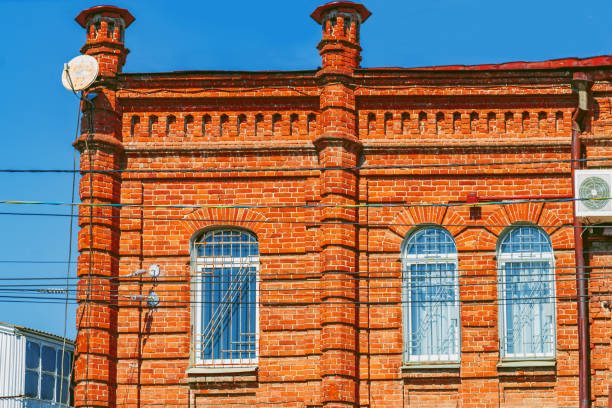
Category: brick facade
[330,277]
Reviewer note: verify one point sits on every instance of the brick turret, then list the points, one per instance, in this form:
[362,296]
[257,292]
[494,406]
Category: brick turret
[339,48]
[105,27]
[100,145]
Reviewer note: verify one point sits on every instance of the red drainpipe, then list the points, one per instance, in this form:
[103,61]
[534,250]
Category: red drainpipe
[582,84]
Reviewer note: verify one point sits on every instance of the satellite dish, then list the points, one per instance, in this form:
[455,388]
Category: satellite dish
[79,73]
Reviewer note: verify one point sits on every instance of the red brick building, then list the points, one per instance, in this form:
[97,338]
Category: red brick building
[340,237]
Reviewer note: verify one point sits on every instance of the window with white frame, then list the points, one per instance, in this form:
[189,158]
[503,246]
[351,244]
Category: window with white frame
[526,294]
[226,319]
[46,378]
[431,296]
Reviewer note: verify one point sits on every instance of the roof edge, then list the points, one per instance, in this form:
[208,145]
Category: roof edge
[17,328]
[552,64]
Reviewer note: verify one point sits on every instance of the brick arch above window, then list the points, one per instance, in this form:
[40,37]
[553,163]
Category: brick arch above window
[205,218]
[409,218]
[544,214]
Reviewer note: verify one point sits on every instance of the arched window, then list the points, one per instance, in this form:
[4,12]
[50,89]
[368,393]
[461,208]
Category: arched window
[431,296]
[526,293]
[226,262]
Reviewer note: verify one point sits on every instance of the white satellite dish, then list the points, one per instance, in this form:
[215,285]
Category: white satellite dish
[79,73]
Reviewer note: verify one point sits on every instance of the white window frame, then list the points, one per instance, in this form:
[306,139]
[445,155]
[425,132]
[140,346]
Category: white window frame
[199,264]
[409,260]
[56,375]
[512,257]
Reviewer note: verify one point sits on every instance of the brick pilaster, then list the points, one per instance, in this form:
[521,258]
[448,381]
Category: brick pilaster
[101,149]
[339,146]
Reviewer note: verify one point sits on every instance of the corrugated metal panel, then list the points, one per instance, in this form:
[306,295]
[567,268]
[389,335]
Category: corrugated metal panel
[12,366]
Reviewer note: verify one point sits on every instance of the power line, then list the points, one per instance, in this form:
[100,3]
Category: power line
[68,263]
[174,303]
[306,169]
[74,288]
[293,206]
[468,273]
[309,223]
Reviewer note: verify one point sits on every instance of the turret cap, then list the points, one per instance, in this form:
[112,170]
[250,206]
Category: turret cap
[107,11]
[320,11]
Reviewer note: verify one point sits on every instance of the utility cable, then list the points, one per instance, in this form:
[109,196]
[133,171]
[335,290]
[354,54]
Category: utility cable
[293,302]
[290,206]
[74,288]
[308,169]
[69,262]
[273,276]
[317,279]
[307,223]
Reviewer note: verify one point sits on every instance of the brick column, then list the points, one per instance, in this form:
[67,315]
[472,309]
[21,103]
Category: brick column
[338,146]
[101,149]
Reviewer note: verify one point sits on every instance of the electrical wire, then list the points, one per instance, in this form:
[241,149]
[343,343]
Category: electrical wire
[87,305]
[91,292]
[307,223]
[168,278]
[308,169]
[74,287]
[295,206]
[174,303]
[242,90]
[69,262]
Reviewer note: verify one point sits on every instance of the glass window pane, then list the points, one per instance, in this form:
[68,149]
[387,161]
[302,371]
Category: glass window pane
[32,354]
[525,239]
[64,391]
[67,362]
[48,359]
[430,241]
[31,384]
[528,292]
[226,318]
[432,317]
[47,385]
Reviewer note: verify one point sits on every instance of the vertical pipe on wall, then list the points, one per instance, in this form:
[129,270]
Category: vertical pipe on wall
[582,84]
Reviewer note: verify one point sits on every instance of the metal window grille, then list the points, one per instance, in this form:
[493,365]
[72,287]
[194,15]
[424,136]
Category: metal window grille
[431,294]
[226,286]
[527,293]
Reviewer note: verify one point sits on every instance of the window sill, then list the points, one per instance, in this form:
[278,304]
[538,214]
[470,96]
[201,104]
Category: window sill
[221,370]
[549,362]
[429,366]
[430,371]
[207,375]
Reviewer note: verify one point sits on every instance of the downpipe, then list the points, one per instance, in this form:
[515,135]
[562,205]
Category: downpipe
[581,84]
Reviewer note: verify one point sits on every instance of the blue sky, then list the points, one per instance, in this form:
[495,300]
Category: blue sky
[39,115]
